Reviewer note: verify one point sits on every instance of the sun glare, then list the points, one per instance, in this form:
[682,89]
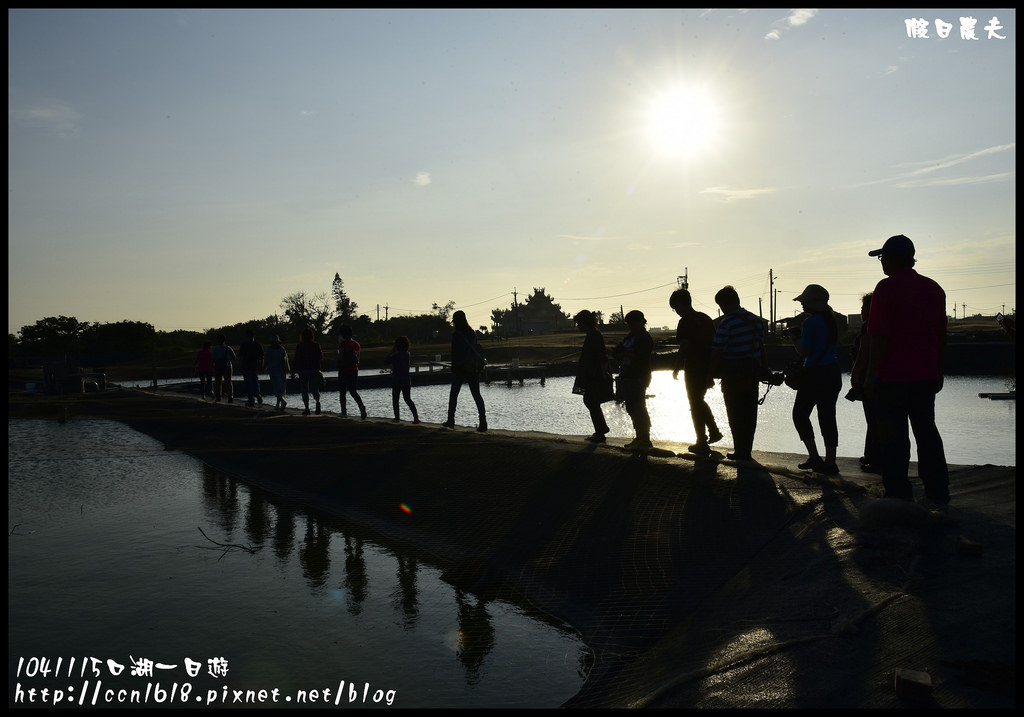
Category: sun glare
[683,122]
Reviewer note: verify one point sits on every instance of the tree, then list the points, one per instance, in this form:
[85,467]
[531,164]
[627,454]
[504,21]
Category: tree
[445,312]
[314,312]
[344,307]
[53,335]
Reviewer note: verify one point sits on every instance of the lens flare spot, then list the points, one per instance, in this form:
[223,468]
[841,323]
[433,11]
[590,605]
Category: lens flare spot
[405,508]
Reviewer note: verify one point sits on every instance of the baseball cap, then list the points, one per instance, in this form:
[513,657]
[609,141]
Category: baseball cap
[814,296]
[898,245]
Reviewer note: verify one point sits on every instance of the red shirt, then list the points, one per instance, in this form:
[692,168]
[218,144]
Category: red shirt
[910,310]
[343,363]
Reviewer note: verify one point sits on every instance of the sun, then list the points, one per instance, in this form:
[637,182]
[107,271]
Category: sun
[683,121]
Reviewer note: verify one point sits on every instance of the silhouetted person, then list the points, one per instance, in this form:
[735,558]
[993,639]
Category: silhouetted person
[315,553]
[348,370]
[738,353]
[907,334]
[278,368]
[467,363]
[821,380]
[308,359]
[871,460]
[204,369]
[634,356]
[401,376]
[694,333]
[593,375]
[223,355]
[251,356]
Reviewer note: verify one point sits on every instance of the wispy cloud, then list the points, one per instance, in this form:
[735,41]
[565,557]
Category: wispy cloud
[735,195]
[796,18]
[54,117]
[915,170]
[585,237]
[951,181]
[422,179]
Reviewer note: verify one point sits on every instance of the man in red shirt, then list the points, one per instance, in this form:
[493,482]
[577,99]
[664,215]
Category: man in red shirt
[907,326]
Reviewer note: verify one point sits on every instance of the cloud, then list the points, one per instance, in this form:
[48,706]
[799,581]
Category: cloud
[584,237]
[54,117]
[735,195]
[910,178]
[796,18]
[422,179]
[951,181]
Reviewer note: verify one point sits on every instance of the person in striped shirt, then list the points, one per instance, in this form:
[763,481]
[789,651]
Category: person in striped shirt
[739,356]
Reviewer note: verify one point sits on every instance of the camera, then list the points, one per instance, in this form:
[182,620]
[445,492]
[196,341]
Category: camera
[854,394]
[775,378]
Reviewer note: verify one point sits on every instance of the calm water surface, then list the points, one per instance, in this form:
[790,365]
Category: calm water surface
[975,431]
[106,559]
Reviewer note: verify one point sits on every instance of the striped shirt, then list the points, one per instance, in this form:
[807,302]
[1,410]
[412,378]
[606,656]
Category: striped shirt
[739,335]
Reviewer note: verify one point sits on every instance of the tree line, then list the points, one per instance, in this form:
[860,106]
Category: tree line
[323,312]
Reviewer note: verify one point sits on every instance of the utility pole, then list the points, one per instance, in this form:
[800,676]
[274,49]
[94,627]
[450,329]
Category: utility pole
[683,280]
[385,312]
[963,314]
[771,300]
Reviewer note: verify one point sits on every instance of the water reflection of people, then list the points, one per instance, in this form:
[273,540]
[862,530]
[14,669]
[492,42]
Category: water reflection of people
[314,553]
[405,597]
[284,531]
[355,574]
[476,634]
[257,521]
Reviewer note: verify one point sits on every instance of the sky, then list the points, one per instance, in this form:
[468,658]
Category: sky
[191,168]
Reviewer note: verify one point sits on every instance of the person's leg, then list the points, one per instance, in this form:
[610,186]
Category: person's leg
[304,381]
[407,395]
[746,416]
[353,389]
[453,399]
[827,401]
[395,391]
[230,386]
[474,388]
[931,454]
[803,404]
[343,391]
[893,431]
[593,405]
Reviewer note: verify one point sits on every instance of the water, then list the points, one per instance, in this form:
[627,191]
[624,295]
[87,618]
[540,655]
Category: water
[106,560]
[975,431]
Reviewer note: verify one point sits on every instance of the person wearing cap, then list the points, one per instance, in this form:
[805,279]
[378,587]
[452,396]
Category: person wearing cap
[251,355]
[821,381]
[634,356]
[276,358]
[739,358]
[907,330]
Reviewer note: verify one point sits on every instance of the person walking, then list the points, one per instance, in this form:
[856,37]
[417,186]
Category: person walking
[307,364]
[907,335]
[401,377]
[348,370]
[821,380]
[278,368]
[870,461]
[695,333]
[251,356]
[467,363]
[204,369]
[739,358]
[593,375]
[634,356]
[222,355]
